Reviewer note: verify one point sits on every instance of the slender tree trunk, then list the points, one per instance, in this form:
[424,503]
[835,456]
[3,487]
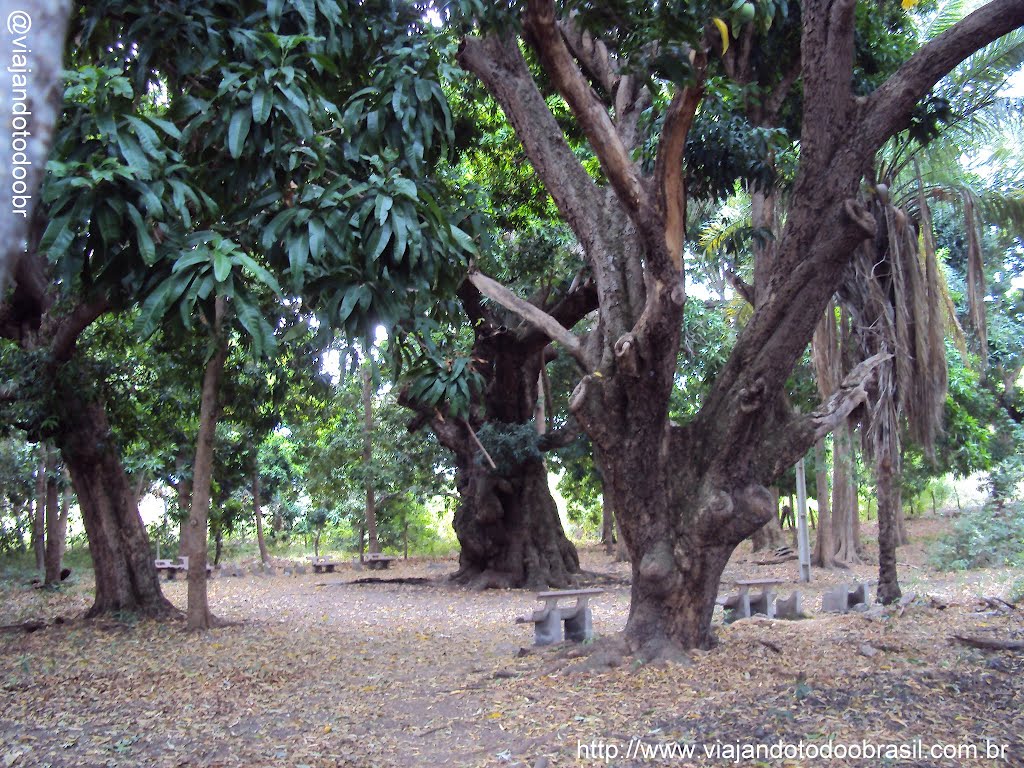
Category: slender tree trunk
[54,532]
[126,578]
[39,518]
[902,537]
[368,468]
[183,489]
[257,513]
[844,504]
[198,613]
[888,502]
[825,544]
[608,537]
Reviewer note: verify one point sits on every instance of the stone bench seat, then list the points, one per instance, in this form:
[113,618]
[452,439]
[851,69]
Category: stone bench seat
[548,621]
[323,564]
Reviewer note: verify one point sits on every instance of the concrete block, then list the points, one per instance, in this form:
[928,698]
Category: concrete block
[836,600]
[860,595]
[548,630]
[580,627]
[791,607]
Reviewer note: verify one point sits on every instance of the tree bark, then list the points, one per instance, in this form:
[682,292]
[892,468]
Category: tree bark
[368,468]
[888,502]
[198,614]
[507,522]
[258,515]
[770,535]
[39,518]
[844,504]
[825,543]
[126,578]
[55,531]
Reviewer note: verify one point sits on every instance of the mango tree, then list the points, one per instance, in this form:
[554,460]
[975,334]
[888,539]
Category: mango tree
[687,494]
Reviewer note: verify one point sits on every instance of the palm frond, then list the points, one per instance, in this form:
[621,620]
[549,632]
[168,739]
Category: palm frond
[947,14]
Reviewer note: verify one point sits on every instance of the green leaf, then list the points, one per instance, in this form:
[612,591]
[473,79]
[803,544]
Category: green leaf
[274,9]
[298,256]
[464,241]
[221,266]
[238,130]
[258,271]
[262,100]
[147,138]
[317,234]
[57,238]
[109,224]
[134,156]
[380,242]
[381,208]
[348,304]
[146,248]
[155,307]
[166,126]
[256,326]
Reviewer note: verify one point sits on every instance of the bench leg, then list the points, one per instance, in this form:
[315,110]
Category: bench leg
[548,630]
[742,608]
[580,627]
[764,604]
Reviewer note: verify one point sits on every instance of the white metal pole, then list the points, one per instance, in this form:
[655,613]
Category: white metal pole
[803,541]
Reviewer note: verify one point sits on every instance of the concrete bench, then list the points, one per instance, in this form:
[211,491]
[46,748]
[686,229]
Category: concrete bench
[323,564]
[375,561]
[844,598]
[171,568]
[744,606]
[548,621]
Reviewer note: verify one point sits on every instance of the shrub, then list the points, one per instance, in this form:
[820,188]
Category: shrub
[985,537]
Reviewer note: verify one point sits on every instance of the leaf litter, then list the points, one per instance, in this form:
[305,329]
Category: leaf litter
[320,671]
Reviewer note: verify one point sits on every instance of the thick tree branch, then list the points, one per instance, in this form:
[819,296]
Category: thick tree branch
[71,326]
[668,167]
[592,54]
[543,33]
[806,431]
[889,108]
[540,319]
[500,66]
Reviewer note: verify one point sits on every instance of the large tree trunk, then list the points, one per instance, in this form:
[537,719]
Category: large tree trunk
[844,497]
[770,535]
[507,522]
[509,529]
[198,613]
[126,578]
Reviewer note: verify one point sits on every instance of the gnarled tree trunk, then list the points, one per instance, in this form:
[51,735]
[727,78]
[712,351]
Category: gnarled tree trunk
[509,529]
[126,578]
[507,522]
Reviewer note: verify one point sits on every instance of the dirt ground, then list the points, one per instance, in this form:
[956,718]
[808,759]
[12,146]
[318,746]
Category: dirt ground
[323,671]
